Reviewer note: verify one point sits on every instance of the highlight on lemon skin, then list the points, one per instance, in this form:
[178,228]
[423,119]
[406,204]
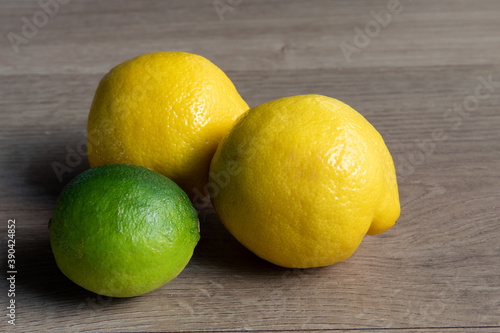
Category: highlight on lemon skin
[318,179]
[166,111]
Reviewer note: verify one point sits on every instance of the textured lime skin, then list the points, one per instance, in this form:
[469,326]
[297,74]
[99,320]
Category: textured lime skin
[121,230]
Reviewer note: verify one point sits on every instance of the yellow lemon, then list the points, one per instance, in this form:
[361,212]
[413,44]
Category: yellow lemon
[166,111]
[299,181]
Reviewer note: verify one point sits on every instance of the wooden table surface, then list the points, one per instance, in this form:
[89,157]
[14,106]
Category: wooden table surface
[425,73]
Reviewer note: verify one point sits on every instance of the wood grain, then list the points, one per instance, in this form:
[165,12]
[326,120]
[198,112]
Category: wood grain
[437,270]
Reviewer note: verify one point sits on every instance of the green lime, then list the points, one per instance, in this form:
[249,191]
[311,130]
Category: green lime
[122,230]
